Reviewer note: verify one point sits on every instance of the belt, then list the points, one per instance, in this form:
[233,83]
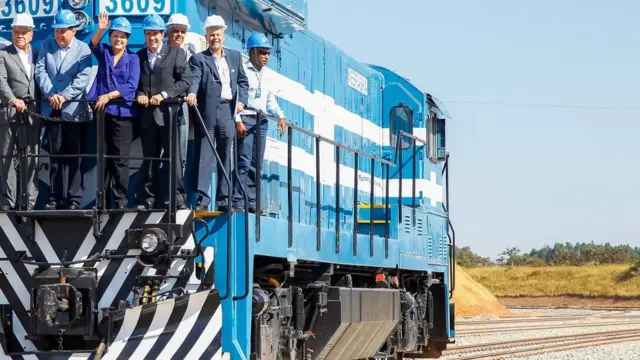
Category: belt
[223,101]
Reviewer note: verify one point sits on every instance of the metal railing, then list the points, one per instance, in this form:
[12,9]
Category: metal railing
[100,154]
[338,148]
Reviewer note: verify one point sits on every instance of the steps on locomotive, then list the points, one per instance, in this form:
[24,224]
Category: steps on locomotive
[206,214]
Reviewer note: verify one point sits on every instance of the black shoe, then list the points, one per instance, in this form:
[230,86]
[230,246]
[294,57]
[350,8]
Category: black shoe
[120,205]
[52,205]
[147,205]
[74,206]
[260,213]
[223,209]
[5,208]
[200,207]
[182,206]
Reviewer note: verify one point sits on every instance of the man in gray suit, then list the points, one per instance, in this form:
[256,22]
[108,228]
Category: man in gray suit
[18,93]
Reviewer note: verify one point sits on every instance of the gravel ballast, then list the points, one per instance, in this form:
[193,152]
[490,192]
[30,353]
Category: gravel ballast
[626,350]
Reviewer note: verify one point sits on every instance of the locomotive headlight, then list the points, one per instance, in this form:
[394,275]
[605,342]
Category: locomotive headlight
[83,19]
[78,4]
[152,240]
[149,243]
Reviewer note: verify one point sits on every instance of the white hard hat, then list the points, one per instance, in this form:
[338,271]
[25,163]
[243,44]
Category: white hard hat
[178,19]
[23,20]
[214,21]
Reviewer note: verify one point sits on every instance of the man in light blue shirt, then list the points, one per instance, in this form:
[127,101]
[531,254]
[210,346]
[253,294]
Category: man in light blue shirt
[262,98]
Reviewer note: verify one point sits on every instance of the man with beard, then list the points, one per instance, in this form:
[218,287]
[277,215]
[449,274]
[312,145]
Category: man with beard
[219,88]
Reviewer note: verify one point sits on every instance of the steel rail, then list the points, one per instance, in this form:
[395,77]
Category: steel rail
[541,327]
[534,341]
[555,347]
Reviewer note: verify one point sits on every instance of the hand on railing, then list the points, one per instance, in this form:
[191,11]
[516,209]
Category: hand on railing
[18,104]
[102,101]
[241,129]
[191,99]
[56,101]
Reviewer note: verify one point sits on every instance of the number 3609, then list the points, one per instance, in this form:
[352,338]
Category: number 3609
[130,7]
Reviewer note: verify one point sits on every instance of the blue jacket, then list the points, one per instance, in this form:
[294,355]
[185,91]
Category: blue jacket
[206,84]
[69,78]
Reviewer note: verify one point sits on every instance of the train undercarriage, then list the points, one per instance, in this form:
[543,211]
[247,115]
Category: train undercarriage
[326,311]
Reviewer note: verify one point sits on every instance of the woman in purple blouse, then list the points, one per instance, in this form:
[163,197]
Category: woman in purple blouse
[117,78]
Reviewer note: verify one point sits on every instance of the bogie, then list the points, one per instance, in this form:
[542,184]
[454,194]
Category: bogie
[330,311]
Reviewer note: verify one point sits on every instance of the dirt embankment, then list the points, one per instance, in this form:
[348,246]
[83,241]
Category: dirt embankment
[473,299]
[602,285]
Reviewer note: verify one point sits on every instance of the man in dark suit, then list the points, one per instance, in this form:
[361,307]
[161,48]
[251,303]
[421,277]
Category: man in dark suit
[164,74]
[220,89]
[18,89]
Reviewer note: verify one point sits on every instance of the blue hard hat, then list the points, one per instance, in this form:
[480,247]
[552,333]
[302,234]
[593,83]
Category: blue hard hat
[258,40]
[64,19]
[153,22]
[121,24]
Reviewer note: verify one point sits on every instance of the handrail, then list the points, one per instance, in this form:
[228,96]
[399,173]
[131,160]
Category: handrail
[322,138]
[451,235]
[338,147]
[230,191]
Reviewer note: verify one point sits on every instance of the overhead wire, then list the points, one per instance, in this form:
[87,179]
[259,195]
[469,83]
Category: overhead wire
[601,107]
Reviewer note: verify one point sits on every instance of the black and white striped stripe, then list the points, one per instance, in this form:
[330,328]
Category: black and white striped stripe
[72,238]
[186,327]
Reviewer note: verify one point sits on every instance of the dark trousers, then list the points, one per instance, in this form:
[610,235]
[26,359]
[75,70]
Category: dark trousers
[222,133]
[154,178]
[118,138]
[67,138]
[248,156]
[14,138]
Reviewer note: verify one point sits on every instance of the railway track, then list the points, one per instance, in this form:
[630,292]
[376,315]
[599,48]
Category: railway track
[483,331]
[542,319]
[541,345]
[520,320]
[465,349]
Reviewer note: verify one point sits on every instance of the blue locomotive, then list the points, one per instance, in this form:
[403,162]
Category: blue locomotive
[351,259]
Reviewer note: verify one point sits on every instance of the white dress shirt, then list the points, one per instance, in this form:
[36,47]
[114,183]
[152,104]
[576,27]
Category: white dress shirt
[27,60]
[65,51]
[225,78]
[152,61]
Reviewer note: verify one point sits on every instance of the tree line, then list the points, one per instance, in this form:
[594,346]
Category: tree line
[560,254]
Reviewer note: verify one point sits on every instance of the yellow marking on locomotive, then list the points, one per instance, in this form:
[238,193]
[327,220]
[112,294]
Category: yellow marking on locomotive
[204,214]
[375,206]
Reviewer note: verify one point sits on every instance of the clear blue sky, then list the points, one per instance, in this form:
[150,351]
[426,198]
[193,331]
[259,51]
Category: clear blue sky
[521,175]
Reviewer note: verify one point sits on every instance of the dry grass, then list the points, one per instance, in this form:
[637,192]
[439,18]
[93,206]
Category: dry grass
[609,281]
